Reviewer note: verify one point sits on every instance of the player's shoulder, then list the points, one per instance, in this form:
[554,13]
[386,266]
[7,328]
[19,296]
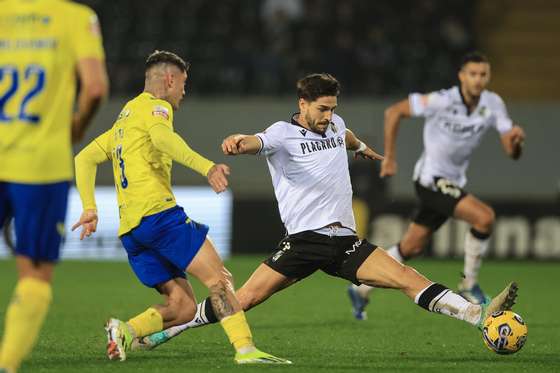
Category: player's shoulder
[448,94]
[492,98]
[277,128]
[146,107]
[338,121]
[149,103]
[440,98]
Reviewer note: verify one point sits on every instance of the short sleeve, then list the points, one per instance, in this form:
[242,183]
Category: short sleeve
[501,121]
[424,105]
[272,138]
[159,112]
[85,34]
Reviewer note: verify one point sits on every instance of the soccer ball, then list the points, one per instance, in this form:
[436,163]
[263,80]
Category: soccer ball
[504,332]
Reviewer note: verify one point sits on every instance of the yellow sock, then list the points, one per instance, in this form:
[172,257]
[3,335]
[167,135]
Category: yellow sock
[237,330]
[24,317]
[146,323]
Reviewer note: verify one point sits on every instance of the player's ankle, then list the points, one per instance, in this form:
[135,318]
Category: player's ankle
[246,349]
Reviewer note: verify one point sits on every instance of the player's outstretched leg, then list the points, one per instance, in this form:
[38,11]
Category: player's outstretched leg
[381,270]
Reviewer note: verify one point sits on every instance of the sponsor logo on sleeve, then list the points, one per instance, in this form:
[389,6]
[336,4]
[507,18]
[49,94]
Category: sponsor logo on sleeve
[161,111]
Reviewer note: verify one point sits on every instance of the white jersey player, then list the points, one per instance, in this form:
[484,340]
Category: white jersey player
[307,157]
[455,121]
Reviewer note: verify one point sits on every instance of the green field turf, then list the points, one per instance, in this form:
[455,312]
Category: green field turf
[309,323]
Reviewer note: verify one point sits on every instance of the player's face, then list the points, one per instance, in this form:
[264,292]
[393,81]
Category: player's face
[318,114]
[176,87]
[474,77]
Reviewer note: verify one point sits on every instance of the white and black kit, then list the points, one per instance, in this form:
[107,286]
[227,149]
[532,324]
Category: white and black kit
[451,133]
[311,182]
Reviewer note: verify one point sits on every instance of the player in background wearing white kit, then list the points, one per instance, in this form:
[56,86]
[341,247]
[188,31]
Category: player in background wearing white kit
[455,121]
[308,163]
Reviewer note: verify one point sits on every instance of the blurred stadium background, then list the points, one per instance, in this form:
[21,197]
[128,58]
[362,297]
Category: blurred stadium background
[247,54]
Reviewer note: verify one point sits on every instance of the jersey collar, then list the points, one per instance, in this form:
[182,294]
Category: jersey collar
[465,103]
[296,123]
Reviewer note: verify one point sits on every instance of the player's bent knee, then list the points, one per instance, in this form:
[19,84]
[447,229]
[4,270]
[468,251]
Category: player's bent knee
[485,223]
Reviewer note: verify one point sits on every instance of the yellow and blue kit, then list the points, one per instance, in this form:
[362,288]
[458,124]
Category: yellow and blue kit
[159,238]
[41,43]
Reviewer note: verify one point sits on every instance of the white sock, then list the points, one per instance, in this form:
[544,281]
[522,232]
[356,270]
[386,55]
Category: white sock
[395,253]
[363,290]
[475,249]
[200,319]
[439,299]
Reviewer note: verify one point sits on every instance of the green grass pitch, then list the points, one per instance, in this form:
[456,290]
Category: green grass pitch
[309,323]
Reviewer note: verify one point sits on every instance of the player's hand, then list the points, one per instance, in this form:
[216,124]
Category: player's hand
[517,135]
[217,177]
[368,154]
[88,222]
[517,140]
[230,145]
[388,167]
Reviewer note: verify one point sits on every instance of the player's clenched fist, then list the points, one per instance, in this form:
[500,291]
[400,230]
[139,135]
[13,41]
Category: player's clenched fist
[388,167]
[230,145]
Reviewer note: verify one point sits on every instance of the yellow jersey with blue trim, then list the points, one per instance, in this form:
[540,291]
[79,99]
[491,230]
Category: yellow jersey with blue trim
[41,42]
[142,172]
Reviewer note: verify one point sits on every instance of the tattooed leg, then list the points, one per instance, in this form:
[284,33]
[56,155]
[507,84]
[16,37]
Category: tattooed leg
[223,300]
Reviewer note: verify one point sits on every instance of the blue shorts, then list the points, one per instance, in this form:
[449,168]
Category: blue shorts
[39,212]
[163,245]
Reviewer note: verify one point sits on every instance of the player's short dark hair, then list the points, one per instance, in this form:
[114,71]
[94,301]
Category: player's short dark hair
[158,57]
[314,86]
[475,56]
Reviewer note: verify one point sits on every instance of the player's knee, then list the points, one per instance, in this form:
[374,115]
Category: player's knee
[485,223]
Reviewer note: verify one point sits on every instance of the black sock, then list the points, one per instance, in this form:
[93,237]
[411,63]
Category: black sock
[480,235]
[209,311]
[431,295]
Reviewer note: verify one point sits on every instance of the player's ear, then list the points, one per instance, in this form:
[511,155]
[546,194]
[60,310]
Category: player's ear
[302,103]
[460,74]
[169,78]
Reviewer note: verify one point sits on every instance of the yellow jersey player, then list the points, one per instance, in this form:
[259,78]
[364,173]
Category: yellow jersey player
[44,45]
[160,240]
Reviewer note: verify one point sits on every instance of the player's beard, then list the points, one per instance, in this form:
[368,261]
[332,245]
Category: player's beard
[313,124]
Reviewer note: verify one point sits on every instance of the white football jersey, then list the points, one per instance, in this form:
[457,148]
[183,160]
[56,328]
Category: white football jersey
[451,134]
[310,175]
